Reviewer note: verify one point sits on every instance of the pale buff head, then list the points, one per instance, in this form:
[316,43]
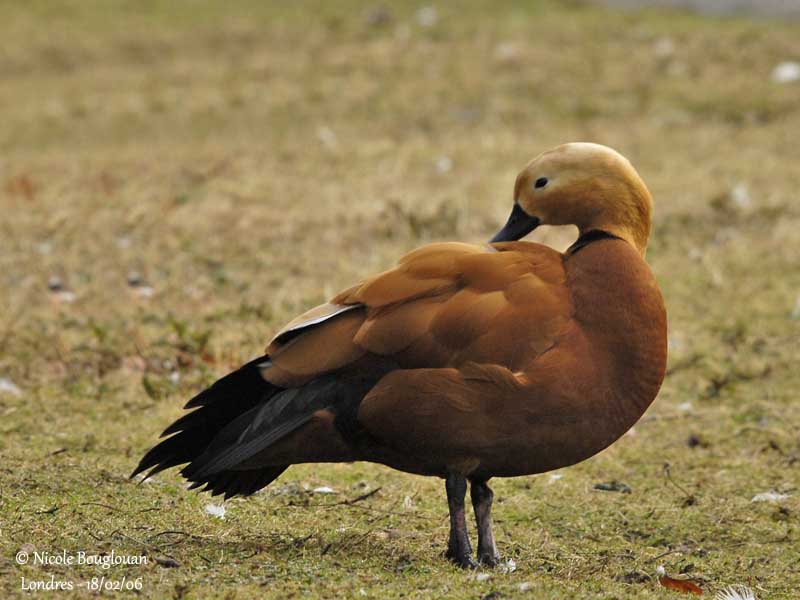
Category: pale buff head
[587,185]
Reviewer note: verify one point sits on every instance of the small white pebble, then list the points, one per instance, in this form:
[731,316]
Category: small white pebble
[174,377]
[660,571]
[786,72]
[324,490]
[770,497]
[524,586]
[65,296]
[427,16]
[740,196]
[664,47]
[555,477]
[215,510]
[9,387]
[328,138]
[685,406]
[482,577]
[506,52]
[444,164]
[144,291]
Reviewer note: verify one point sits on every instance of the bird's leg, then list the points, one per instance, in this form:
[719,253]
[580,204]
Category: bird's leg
[459,549]
[482,504]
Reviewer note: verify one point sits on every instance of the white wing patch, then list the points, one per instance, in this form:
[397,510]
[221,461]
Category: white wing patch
[315,316]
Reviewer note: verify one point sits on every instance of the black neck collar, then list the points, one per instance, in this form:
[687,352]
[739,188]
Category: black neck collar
[589,237]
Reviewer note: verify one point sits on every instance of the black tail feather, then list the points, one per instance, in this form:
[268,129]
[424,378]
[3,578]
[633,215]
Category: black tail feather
[239,483]
[257,429]
[216,407]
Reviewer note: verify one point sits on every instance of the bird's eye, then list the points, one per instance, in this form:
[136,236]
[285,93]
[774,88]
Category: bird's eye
[541,182]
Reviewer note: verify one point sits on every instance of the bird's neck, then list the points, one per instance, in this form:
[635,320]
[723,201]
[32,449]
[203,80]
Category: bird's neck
[636,237]
[590,236]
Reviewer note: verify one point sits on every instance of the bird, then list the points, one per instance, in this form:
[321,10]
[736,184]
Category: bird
[462,362]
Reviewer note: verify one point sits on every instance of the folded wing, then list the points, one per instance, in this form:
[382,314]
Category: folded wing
[443,305]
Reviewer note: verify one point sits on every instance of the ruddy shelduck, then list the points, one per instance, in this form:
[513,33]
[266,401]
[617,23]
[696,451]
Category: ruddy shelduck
[464,361]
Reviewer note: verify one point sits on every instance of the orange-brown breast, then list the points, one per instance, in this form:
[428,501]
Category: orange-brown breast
[620,308]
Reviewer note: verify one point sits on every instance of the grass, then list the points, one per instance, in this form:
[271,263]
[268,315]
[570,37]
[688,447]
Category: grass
[247,162]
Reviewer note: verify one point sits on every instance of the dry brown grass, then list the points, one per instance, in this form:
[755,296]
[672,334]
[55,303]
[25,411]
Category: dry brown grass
[249,161]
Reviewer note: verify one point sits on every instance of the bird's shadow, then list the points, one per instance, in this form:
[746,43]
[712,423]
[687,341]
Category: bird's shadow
[332,547]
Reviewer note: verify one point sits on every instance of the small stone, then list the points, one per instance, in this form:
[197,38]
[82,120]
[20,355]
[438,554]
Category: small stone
[664,47]
[695,441]
[55,284]
[444,164]
[740,196]
[9,387]
[144,291]
[507,53]
[427,16]
[328,137]
[135,279]
[65,296]
[786,72]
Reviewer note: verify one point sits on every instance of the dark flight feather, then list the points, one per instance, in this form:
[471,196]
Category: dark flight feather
[262,426]
[220,404]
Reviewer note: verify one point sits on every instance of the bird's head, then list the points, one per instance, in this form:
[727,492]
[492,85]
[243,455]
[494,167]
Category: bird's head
[587,185]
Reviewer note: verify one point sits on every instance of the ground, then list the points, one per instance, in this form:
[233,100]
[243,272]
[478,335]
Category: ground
[177,180]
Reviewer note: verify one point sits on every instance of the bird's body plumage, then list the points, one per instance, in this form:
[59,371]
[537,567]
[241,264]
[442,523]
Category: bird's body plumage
[462,361]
